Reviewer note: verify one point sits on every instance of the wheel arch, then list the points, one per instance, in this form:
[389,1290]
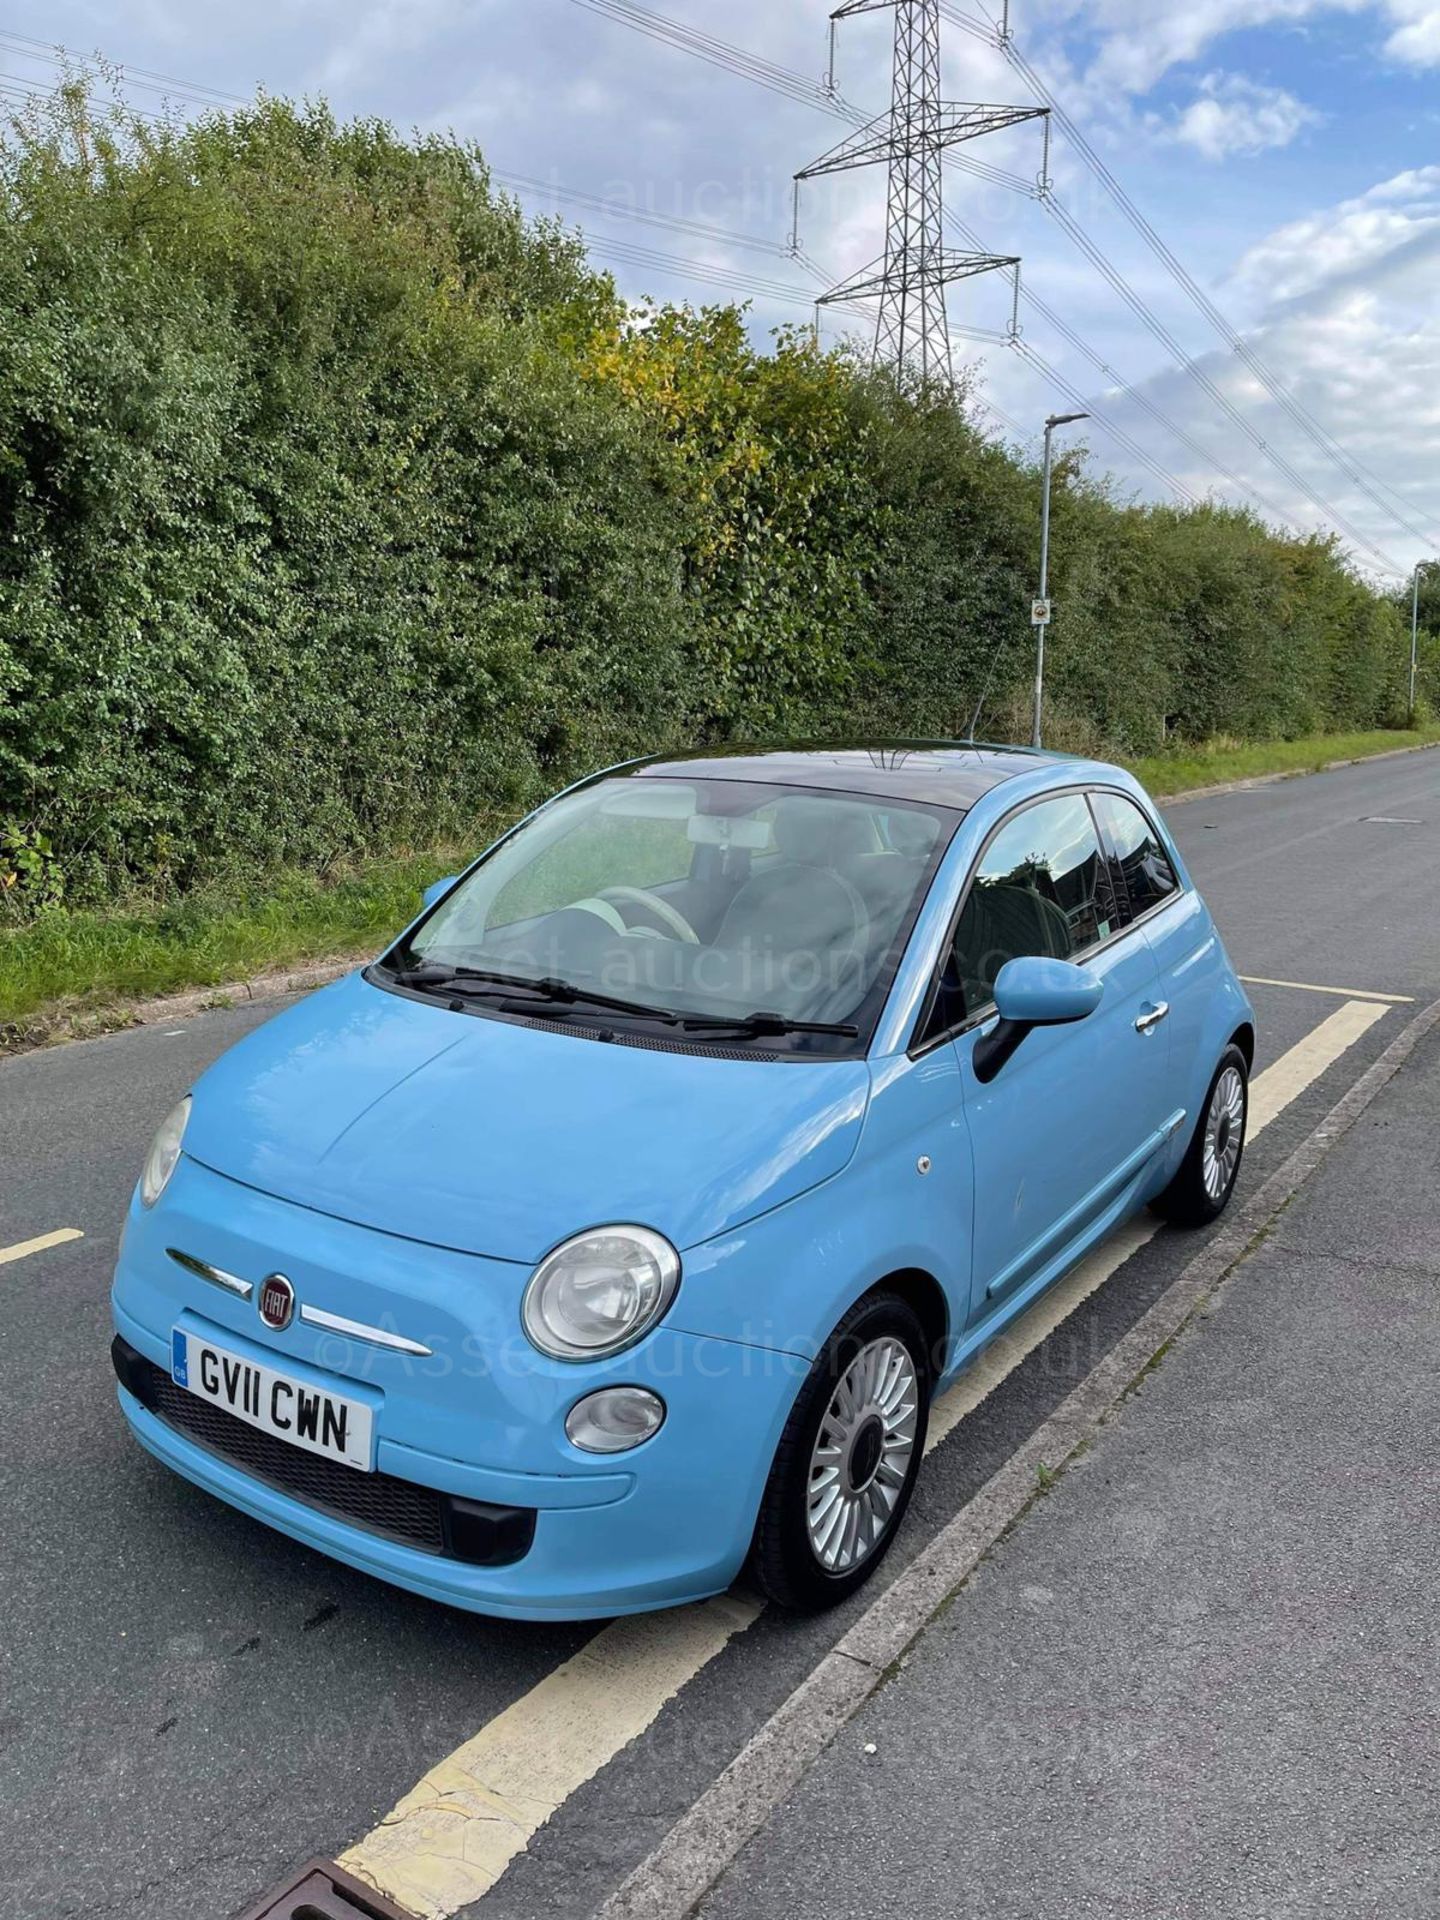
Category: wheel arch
[1244,1038]
[927,1299]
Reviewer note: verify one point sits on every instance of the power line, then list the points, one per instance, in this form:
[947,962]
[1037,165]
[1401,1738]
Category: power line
[1117,281]
[711,272]
[985,30]
[1320,436]
[1022,435]
[16,85]
[771,74]
[1130,391]
[23,92]
[629,252]
[1326,441]
[703,272]
[763,72]
[13,86]
[793,85]
[1133,393]
[1035,359]
[704,47]
[144,78]
[715,273]
[722,53]
[651,216]
[1051,374]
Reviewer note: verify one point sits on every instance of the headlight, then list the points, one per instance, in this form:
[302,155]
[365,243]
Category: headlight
[600,1292]
[164,1154]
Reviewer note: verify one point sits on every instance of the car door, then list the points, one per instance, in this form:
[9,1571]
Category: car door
[1149,894]
[1064,1135]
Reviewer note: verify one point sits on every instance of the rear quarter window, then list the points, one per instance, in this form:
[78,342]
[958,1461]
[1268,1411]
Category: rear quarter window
[1141,872]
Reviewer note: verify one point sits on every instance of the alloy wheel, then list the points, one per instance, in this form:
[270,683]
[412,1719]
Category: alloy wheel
[862,1455]
[1224,1134]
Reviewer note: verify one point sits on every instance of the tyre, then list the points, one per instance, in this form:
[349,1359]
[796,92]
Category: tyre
[847,1460]
[1202,1189]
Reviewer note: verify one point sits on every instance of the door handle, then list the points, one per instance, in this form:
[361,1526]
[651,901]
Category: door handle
[1148,1022]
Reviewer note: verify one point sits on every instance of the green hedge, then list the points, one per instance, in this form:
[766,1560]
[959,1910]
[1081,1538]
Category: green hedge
[342,504]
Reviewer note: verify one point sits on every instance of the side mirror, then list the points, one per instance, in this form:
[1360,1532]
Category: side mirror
[1030,993]
[437,891]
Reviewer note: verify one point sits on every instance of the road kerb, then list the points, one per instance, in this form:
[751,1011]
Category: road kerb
[669,1883]
[72,1026]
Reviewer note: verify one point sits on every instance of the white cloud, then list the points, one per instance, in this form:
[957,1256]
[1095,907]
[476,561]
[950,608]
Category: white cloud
[1231,114]
[1365,237]
[1140,42]
[1350,325]
[1416,39]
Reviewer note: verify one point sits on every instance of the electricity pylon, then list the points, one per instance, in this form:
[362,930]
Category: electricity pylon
[911,139]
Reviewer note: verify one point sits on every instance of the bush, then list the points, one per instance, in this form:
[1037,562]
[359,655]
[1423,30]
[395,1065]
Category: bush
[319,537]
[346,505]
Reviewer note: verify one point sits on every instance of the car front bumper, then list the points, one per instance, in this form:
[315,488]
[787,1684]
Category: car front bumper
[476,1426]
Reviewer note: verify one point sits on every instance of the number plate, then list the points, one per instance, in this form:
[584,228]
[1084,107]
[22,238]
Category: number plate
[292,1410]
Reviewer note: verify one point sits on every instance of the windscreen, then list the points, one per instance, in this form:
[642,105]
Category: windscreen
[707,900]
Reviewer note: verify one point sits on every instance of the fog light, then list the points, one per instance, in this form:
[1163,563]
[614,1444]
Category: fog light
[615,1419]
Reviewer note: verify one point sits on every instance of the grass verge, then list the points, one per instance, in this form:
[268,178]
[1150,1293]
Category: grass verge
[81,971]
[73,972]
[1220,761]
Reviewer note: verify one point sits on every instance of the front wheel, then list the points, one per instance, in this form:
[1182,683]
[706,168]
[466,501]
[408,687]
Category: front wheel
[847,1460]
[1202,1189]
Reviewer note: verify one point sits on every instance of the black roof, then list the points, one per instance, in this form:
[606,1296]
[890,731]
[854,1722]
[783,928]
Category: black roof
[942,773]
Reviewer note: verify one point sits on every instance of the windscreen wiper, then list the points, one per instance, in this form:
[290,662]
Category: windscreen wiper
[558,994]
[432,975]
[763,1023]
[563,998]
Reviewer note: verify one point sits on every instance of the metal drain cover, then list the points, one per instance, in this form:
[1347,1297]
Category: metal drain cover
[323,1891]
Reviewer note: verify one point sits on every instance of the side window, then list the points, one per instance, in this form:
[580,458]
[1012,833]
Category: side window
[1140,868]
[1042,888]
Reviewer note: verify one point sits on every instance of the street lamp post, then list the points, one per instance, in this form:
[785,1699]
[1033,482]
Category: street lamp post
[1421,566]
[1043,610]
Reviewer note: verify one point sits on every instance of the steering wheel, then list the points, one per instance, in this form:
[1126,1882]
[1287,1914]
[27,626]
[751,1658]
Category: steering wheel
[674,923]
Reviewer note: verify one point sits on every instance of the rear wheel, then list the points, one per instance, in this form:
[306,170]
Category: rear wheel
[847,1460]
[1202,1189]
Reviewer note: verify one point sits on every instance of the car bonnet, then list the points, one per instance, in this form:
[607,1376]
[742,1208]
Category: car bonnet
[502,1138]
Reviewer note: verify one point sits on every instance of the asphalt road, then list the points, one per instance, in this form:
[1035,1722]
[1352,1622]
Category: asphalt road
[1202,1681]
[189,1704]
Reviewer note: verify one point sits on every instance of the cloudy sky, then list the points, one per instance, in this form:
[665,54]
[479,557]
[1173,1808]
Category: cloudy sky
[1287,152]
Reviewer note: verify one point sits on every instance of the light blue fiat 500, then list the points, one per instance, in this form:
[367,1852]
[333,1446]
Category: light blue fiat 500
[620,1225]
